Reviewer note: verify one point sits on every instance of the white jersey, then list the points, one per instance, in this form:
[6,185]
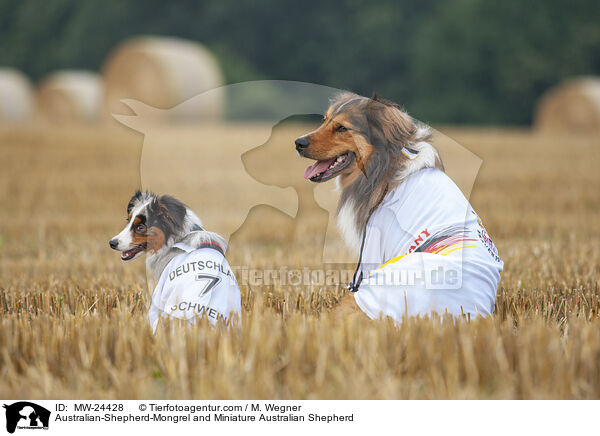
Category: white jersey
[195,283]
[425,251]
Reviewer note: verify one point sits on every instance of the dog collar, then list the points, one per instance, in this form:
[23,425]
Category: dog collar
[208,244]
[213,245]
[409,152]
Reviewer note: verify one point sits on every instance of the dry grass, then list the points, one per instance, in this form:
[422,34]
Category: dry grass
[73,317]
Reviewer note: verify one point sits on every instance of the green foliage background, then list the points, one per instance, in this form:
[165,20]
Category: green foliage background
[446,61]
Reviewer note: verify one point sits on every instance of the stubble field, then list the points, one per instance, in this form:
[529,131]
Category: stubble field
[73,317]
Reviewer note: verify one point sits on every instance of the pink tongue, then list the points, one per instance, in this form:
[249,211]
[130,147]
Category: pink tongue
[317,168]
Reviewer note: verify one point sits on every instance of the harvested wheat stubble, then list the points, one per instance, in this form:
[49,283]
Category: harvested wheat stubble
[70,96]
[573,106]
[16,96]
[163,73]
[74,321]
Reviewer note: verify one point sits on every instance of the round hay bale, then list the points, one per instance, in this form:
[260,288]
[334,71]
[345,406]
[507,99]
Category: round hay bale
[163,73]
[70,97]
[573,106]
[17,102]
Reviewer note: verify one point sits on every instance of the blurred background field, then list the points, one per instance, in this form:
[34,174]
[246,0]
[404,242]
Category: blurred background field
[452,62]
[73,316]
[516,85]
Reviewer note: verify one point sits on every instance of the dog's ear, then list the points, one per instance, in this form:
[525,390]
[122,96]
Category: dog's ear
[387,118]
[166,214]
[173,209]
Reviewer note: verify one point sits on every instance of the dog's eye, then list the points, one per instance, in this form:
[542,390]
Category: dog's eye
[341,128]
[140,228]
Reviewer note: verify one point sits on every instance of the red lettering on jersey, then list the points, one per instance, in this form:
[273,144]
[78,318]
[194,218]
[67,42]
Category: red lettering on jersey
[419,240]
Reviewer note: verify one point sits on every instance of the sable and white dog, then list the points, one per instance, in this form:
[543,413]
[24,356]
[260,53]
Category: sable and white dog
[188,263]
[422,248]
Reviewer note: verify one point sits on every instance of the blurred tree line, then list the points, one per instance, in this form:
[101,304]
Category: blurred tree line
[446,61]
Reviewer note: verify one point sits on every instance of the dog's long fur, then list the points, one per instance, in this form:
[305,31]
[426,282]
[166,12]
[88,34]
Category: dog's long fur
[376,131]
[164,221]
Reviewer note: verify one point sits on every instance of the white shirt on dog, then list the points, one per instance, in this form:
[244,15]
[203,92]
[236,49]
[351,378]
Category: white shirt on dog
[196,283]
[425,251]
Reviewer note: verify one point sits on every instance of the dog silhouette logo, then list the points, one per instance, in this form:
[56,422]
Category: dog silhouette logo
[26,415]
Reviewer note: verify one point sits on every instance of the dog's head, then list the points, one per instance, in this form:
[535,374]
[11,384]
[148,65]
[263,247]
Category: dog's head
[352,133]
[151,222]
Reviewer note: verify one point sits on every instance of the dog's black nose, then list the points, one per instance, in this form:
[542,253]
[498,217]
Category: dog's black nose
[113,244]
[302,143]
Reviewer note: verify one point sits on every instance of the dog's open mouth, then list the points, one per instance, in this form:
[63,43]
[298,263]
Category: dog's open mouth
[130,254]
[323,170]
